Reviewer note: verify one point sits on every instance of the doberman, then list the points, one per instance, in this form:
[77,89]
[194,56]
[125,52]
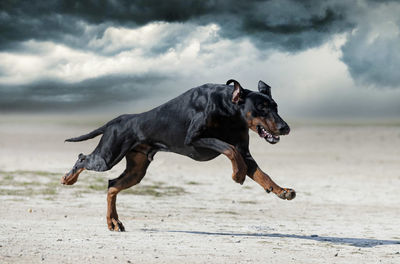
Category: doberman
[202,123]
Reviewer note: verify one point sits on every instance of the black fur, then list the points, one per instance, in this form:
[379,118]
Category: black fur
[201,123]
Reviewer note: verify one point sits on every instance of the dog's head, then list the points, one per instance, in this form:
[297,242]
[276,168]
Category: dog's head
[260,111]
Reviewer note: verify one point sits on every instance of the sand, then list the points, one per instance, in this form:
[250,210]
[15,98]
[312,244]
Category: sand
[347,209]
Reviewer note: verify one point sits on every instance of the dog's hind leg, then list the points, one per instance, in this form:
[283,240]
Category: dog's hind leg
[110,150]
[72,176]
[89,162]
[136,166]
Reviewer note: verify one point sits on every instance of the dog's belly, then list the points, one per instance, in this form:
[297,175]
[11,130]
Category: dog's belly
[199,154]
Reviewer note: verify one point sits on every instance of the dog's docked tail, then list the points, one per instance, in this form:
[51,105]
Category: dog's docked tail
[90,135]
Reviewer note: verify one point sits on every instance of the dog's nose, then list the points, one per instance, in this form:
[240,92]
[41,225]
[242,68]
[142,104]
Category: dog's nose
[284,130]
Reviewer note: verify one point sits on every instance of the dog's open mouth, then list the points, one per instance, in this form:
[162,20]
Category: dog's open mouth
[262,132]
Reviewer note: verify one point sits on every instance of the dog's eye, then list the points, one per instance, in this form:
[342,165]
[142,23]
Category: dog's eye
[262,110]
[260,107]
[274,106]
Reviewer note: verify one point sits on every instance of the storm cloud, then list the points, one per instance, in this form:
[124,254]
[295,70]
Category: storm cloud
[89,53]
[290,25]
[372,50]
[61,96]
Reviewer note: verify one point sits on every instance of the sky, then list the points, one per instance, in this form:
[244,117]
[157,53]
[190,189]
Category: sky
[323,59]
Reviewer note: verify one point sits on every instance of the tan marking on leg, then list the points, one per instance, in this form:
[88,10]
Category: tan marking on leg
[137,164]
[112,216]
[70,179]
[239,167]
[270,186]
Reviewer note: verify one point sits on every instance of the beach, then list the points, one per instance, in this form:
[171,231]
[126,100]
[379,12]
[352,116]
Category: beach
[347,210]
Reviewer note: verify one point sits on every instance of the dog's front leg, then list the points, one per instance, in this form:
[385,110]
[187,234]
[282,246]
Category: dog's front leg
[238,165]
[254,172]
[270,186]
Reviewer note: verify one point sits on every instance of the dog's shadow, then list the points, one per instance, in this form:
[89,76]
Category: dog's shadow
[355,242]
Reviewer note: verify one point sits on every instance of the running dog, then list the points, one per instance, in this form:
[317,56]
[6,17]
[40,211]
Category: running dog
[202,123]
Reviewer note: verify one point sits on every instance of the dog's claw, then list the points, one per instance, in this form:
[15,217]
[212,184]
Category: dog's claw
[116,225]
[268,190]
[287,194]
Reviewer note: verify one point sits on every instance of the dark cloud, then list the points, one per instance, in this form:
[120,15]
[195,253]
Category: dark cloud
[376,64]
[39,22]
[60,96]
[372,50]
[289,25]
[285,25]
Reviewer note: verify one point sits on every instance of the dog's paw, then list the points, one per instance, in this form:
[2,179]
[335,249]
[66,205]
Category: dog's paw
[239,173]
[287,194]
[239,177]
[115,225]
[71,177]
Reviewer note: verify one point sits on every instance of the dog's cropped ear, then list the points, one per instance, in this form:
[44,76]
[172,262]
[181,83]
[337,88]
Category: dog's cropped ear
[264,88]
[237,91]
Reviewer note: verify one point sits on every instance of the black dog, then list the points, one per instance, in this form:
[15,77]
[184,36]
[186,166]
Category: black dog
[202,123]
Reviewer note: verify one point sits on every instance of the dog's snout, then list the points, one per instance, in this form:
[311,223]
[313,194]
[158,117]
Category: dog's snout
[284,130]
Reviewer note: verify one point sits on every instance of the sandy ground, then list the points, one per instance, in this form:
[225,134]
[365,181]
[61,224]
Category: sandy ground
[347,209]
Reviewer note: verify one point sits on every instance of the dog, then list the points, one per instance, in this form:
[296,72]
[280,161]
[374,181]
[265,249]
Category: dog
[201,123]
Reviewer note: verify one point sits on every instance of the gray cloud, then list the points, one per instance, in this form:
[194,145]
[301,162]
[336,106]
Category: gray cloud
[285,25]
[57,95]
[376,64]
[290,25]
[372,50]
